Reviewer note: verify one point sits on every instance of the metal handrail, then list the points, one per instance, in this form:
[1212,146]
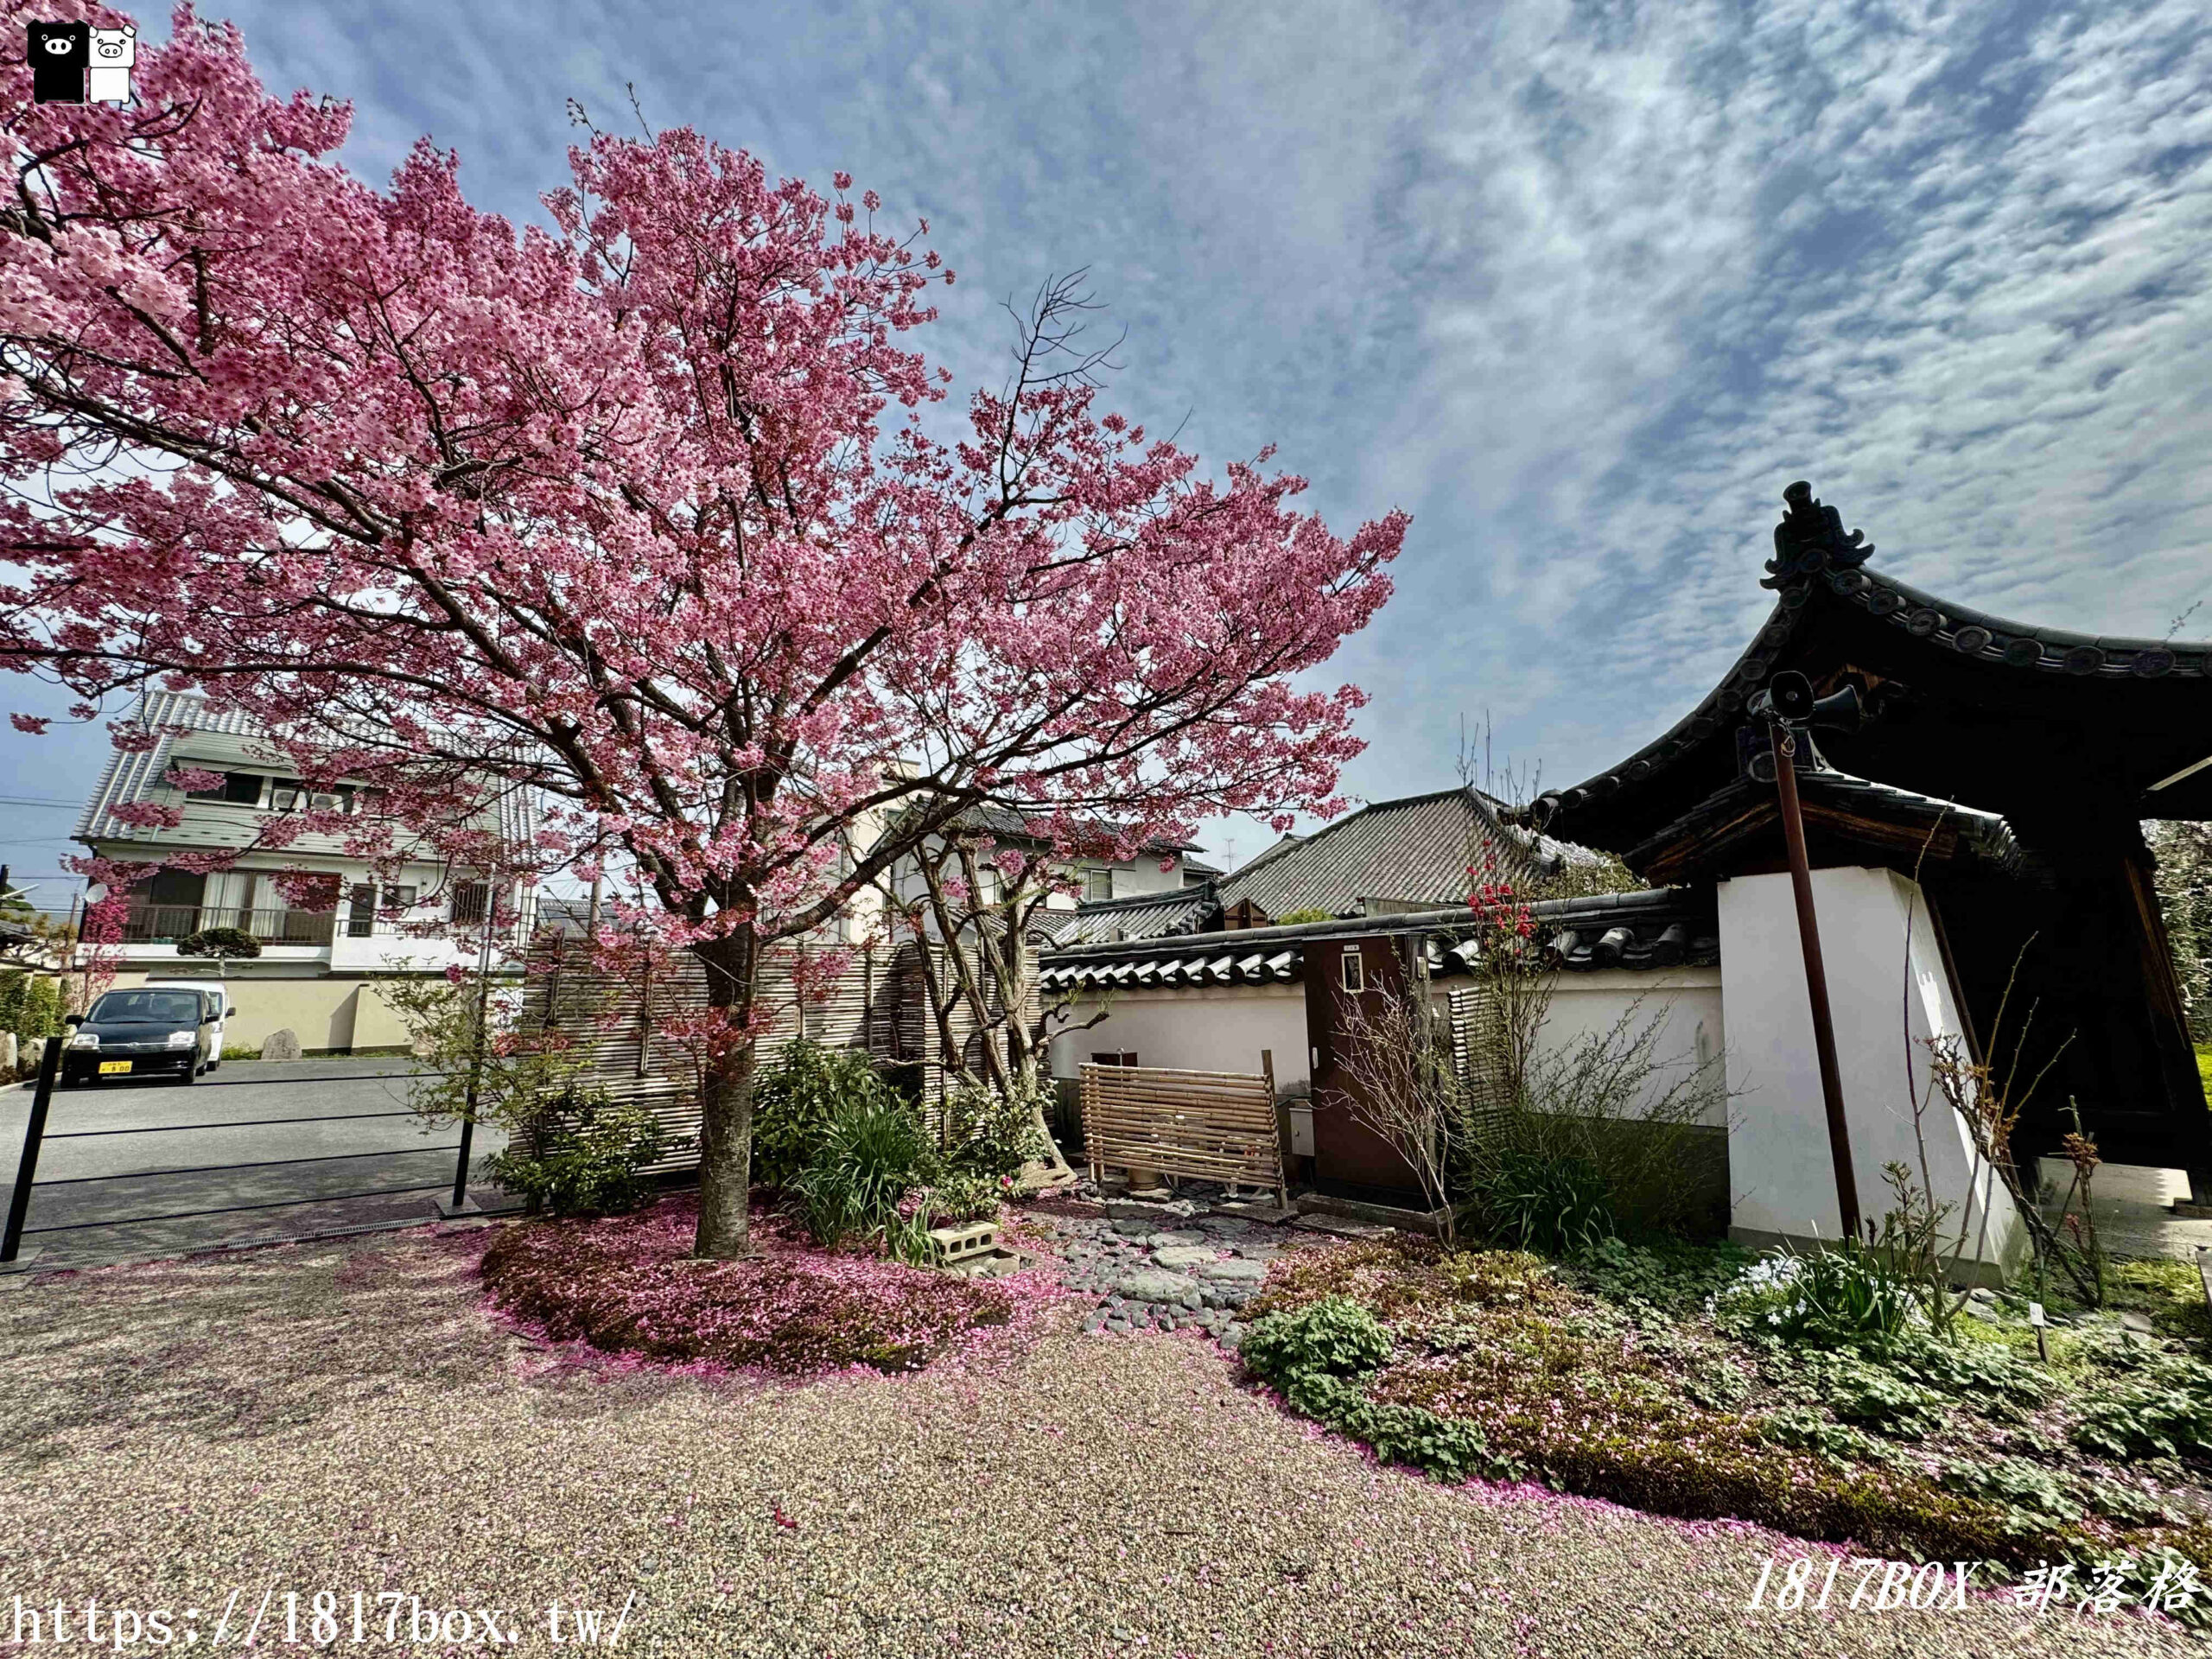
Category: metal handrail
[166,924]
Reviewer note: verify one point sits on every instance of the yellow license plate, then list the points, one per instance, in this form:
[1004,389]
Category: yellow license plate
[107,1066]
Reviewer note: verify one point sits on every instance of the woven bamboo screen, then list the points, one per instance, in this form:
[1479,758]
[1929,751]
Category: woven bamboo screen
[1478,1043]
[1209,1126]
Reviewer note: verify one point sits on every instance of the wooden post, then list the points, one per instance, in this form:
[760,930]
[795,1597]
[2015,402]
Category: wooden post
[1282,1157]
[1816,978]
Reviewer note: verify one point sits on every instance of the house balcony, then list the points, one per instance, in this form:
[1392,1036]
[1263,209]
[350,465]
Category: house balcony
[164,924]
[340,941]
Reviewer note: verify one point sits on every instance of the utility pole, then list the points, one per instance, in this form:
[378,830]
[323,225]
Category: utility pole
[1816,977]
[1788,706]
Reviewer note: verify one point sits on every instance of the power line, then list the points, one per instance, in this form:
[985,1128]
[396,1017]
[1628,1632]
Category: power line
[35,800]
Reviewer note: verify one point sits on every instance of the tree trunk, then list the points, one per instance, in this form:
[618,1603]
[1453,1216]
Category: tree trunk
[726,1100]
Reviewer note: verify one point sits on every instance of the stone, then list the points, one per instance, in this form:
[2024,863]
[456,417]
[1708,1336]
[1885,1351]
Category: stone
[280,1046]
[1181,1258]
[1232,1334]
[1154,1285]
[1981,1293]
[1175,1240]
[1343,1227]
[1237,1272]
[7,1053]
[1985,1312]
[1134,1226]
[2141,1323]
[1227,1226]
[1117,1324]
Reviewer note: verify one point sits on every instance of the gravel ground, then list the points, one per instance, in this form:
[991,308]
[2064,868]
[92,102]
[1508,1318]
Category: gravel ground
[345,1417]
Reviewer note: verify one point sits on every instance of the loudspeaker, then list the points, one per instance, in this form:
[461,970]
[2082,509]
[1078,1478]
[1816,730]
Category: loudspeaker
[1789,698]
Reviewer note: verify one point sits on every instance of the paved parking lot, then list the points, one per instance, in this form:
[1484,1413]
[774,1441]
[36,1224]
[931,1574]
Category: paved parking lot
[294,1148]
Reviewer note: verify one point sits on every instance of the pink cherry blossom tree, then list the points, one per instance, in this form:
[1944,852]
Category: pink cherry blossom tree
[637,508]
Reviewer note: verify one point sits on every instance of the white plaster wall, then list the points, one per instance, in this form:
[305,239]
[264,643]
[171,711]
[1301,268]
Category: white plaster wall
[1217,1028]
[1885,1000]
[1686,1002]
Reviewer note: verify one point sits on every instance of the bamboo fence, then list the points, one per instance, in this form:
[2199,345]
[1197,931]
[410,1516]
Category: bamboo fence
[1212,1125]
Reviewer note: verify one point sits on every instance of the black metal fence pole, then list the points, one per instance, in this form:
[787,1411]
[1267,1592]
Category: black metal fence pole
[459,1205]
[19,1201]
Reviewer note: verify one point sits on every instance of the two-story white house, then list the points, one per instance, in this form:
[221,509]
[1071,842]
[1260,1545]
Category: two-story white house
[1163,868]
[321,954]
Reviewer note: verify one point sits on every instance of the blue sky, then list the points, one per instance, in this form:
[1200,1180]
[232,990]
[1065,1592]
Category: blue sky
[1580,285]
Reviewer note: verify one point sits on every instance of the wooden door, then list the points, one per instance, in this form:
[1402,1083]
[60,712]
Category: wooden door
[1349,1157]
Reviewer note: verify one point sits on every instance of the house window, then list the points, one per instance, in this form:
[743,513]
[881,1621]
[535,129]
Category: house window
[1097,884]
[470,900]
[1354,969]
[1128,1056]
[361,919]
[237,789]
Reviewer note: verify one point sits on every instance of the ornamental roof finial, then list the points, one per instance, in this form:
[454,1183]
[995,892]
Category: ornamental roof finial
[1810,539]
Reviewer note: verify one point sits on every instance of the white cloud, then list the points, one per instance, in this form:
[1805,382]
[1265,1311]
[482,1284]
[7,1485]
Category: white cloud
[1581,285]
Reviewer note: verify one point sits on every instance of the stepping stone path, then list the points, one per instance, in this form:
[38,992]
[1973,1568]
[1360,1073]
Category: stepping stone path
[1169,1266]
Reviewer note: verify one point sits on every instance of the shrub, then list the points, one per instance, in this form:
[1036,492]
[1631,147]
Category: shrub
[591,1161]
[2014,1482]
[1843,1294]
[1875,1395]
[990,1133]
[796,1100]
[964,1196]
[1334,1337]
[1537,1199]
[2163,1413]
[870,1157]
[40,1014]
[1806,1429]
[220,943]
[13,983]
[1606,1134]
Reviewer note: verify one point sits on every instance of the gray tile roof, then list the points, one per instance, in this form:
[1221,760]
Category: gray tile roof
[1413,850]
[1663,928]
[1140,916]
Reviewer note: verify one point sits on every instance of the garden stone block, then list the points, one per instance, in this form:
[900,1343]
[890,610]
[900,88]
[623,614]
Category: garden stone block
[1169,1241]
[280,1046]
[1343,1227]
[1180,1258]
[1154,1285]
[1237,1272]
